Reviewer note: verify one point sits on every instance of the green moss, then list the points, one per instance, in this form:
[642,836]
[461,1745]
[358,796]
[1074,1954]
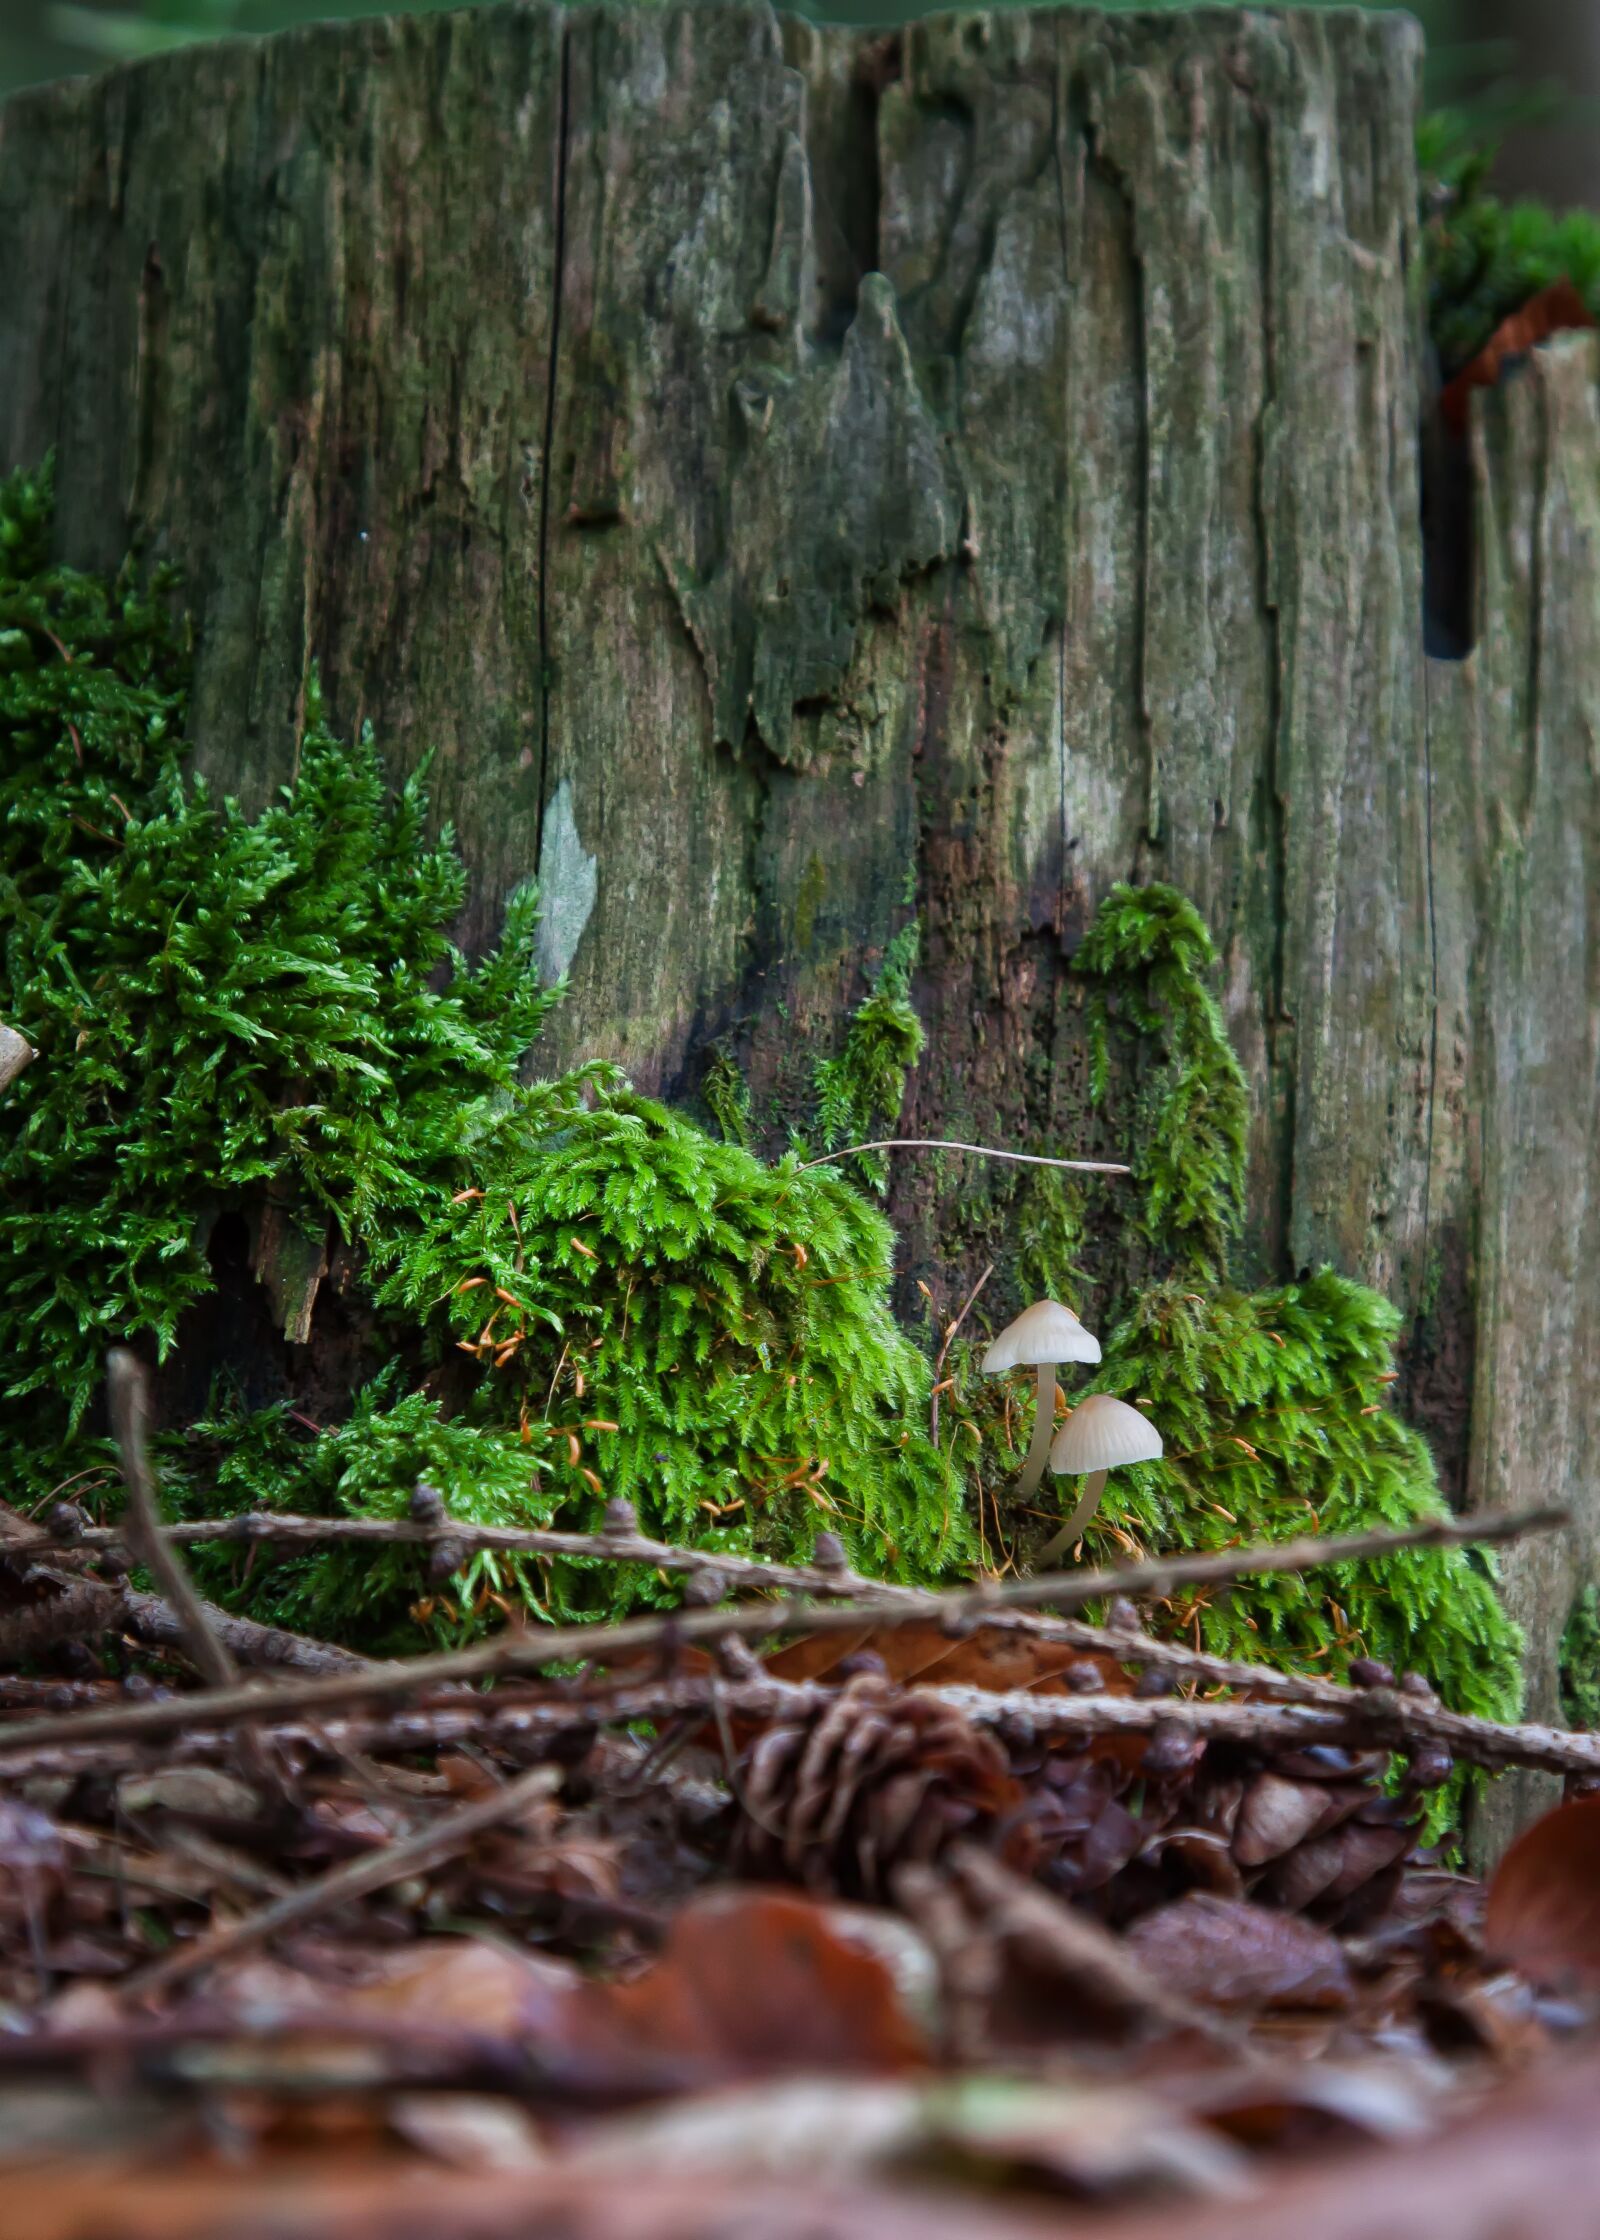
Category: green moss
[813,886]
[1273,1404]
[1486,257]
[581,1293]
[1047,1227]
[859,1093]
[1146,957]
[1580,1662]
[727,1097]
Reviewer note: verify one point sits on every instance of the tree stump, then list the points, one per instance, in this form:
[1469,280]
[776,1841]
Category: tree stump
[796,478]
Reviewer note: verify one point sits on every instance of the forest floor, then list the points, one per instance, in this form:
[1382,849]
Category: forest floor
[949,1914]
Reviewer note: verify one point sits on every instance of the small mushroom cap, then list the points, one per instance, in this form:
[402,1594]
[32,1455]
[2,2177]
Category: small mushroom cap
[1042,1332]
[1104,1434]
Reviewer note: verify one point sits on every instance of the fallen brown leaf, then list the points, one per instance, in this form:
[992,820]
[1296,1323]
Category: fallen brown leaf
[750,1982]
[1544,1899]
[1231,1954]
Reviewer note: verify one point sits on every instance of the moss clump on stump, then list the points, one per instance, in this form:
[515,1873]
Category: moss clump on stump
[1486,257]
[582,1295]
[1273,1404]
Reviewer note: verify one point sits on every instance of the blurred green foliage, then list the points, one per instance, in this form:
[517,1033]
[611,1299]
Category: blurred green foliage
[1485,255]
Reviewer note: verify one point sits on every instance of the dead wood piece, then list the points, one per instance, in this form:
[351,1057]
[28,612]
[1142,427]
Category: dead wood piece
[80,1609]
[154,1622]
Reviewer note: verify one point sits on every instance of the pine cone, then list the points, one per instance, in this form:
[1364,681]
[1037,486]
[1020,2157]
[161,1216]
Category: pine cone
[1314,1832]
[1309,1831]
[876,1779]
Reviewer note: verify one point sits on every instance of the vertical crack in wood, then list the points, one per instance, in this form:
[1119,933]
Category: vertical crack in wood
[1057,128]
[1121,185]
[1282,1075]
[547,441]
[1543,417]
[1431,906]
[80,171]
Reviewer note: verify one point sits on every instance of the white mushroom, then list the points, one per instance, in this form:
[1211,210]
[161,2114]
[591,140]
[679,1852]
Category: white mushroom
[1043,1336]
[1100,1435]
[16,1051]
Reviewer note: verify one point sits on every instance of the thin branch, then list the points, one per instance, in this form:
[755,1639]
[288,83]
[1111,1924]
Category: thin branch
[1136,1647]
[529,1652]
[515,1720]
[981,1150]
[503,1720]
[265,1527]
[128,1399]
[272,1645]
[355,1878]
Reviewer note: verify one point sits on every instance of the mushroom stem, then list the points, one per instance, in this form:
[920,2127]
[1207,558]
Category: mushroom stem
[1044,1425]
[1088,1501]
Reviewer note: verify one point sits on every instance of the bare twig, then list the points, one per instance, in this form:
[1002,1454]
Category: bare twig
[944,1350]
[754,1573]
[264,1527]
[272,1645]
[128,1399]
[519,1718]
[982,1151]
[355,1878]
[525,1652]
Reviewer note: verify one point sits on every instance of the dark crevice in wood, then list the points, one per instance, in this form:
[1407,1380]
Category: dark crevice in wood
[1449,555]
[1431,1114]
[1121,190]
[848,195]
[1274,817]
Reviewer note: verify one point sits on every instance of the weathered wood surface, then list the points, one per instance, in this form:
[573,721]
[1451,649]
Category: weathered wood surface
[796,477]
[1514,749]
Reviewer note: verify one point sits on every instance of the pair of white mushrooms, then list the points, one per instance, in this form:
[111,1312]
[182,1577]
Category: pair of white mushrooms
[1100,1435]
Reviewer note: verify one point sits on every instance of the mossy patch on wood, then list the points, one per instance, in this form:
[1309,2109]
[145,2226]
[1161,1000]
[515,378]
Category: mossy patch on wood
[1274,1404]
